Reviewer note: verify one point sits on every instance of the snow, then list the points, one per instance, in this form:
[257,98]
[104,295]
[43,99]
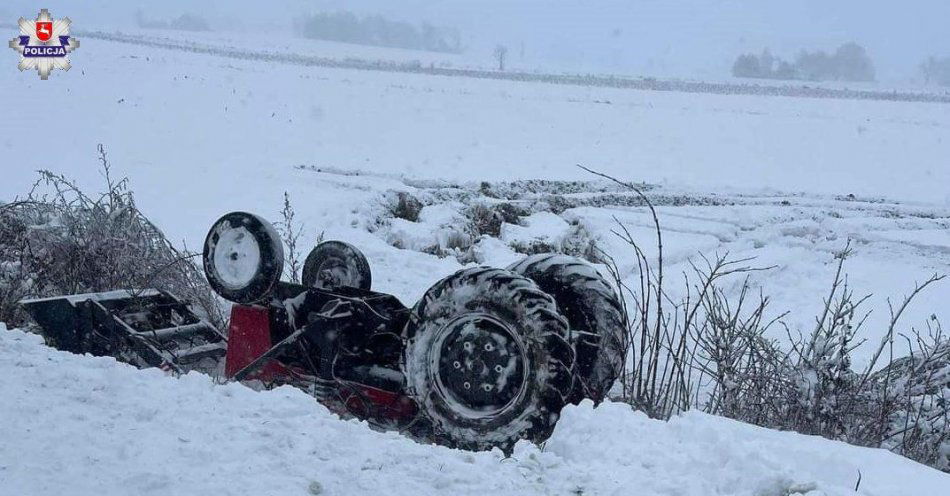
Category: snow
[81,425]
[894,248]
[200,136]
[481,130]
[237,256]
[541,227]
[792,181]
[615,36]
[107,295]
[494,252]
[436,229]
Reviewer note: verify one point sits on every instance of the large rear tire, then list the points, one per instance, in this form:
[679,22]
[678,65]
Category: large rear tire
[593,310]
[487,360]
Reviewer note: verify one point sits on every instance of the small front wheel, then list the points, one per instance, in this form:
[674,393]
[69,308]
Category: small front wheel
[243,257]
[334,264]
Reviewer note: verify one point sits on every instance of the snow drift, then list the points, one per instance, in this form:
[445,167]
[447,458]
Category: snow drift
[81,425]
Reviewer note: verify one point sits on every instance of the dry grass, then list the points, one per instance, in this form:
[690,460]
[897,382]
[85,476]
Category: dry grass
[709,351]
[60,240]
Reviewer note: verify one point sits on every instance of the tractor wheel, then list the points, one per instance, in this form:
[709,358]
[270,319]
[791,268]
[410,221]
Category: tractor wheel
[594,312]
[334,264]
[243,257]
[487,360]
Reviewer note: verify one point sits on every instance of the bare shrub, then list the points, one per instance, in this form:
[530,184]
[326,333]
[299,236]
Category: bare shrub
[732,348]
[915,413]
[487,218]
[709,350]
[59,240]
[290,234]
[451,243]
[534,247]
[405,206]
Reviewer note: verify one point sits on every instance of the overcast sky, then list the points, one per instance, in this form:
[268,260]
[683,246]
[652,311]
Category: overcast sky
[698,38]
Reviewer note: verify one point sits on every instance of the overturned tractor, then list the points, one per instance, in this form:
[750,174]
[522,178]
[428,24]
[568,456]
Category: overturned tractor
[485,358]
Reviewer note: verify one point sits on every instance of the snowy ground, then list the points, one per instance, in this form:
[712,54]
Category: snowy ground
[293,50]
[161,110]
[82,425]
[199,136]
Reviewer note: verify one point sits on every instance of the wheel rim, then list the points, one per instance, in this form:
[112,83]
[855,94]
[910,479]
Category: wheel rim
[335,273]
[237,257]
[479,366]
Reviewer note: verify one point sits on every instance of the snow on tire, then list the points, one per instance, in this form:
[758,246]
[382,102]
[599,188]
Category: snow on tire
[487,359]
[594,312]
[336,264]
[243,257]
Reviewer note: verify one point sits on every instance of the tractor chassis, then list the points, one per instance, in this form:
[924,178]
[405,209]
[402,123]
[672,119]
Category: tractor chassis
[343,346]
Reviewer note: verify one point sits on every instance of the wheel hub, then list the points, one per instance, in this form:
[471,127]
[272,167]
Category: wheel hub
[334,273]
[481,365]
[236,257]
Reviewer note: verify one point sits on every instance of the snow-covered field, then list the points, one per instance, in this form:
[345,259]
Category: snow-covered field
[80,425]
[289,49]
[198,136]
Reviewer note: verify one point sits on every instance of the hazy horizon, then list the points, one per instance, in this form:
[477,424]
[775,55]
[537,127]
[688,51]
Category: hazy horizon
[691,39]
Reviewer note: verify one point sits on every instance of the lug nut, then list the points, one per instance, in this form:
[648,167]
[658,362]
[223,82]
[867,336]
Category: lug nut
[486,387]
[457,365]
[467,386]
[498,368]
[489,347]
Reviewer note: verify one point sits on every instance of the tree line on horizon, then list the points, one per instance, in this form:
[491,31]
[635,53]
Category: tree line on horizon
[376,30]
[850,62]
[936,70]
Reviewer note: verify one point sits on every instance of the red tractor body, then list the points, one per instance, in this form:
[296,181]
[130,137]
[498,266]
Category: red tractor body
[318,340]
[485,358]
